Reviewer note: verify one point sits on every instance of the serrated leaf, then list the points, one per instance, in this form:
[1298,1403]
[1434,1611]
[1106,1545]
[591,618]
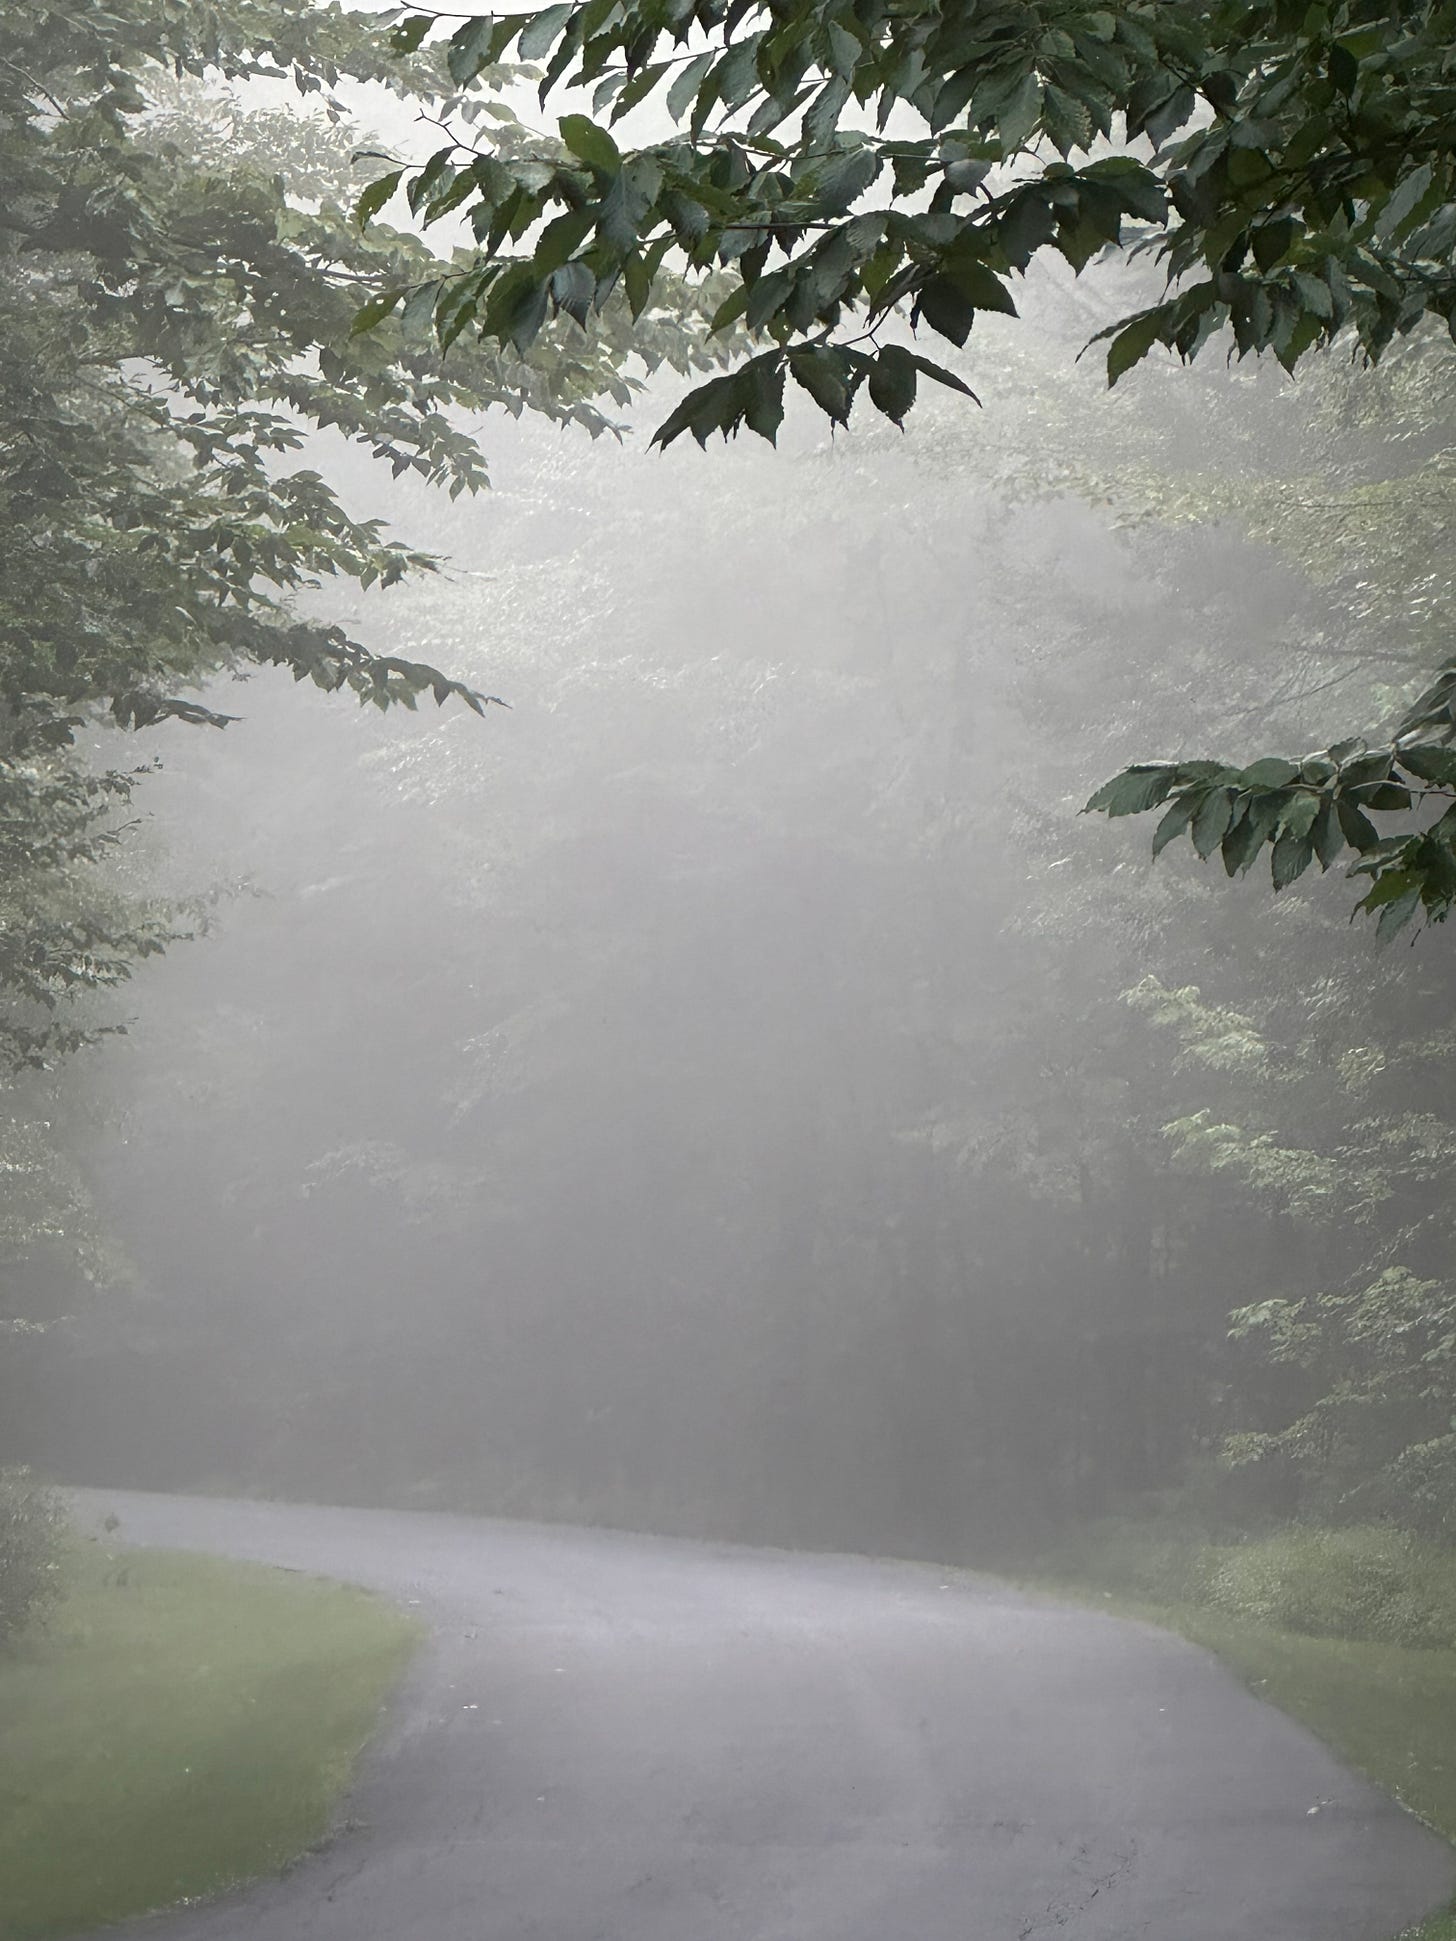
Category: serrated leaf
[1291,858]
[471,48]
[1138,788]
[1328,839]
[590,143]
[946,308]
[374,311]
[408,35]
[1298,816]
[1429,764]
[542,29]
[981,285]
[376,195]
[1240,844]
[1269,772]
[730,309]
[1175,821]
[892,382]
[681,93]
[1131,344]
[560,237]
[1356,827]
[762,394]
[940,375]
[638,89]
[822,372]
[1403,202]
[1211,822]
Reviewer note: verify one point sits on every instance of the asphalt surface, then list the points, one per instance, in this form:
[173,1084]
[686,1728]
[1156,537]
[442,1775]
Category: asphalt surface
[614,1738]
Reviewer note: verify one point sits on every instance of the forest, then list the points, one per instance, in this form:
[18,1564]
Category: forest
[553,966]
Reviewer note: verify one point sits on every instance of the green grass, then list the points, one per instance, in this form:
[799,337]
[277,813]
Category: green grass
[1389,1710]
[180,1724]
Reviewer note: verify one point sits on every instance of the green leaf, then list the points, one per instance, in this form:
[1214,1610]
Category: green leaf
[638,89]
[592,144]
[892,382]
[1395,916]
[821,371]
[1429,764]
[1241,844]
[1343,69]
[374,311]
[1385,797]
[1138,788]
[1404,201]
[1175,821]
[1298,817]
[560,237]
[1131,345]
[1291,858]
[1019,116]
[980,285]
[946,308]
[1269,773]
[1211,823]
[1357,828]
[1327,836]
[376,195]
[940,375]
[715,406]
[407,36]
[542,29]
[683,89]
[730,309]
[762,395]
[473,47]
[637,283]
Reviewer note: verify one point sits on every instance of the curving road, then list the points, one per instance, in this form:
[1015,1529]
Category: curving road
[616,1738]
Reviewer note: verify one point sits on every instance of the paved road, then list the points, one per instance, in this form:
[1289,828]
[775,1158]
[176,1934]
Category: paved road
[617,1738]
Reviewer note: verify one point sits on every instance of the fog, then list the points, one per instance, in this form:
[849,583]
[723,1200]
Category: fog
[705,1097]
[727,1171]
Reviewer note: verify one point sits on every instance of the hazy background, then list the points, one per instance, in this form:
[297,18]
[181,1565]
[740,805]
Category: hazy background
[707,1096]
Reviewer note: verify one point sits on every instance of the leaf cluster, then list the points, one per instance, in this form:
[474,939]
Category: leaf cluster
[1321,809]
[175,325]
[1291,167]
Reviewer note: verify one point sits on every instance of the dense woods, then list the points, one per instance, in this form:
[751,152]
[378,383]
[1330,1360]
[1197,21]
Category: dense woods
[732,1091]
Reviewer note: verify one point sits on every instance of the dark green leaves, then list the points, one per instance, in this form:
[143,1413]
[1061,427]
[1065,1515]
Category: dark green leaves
[1131,345]
[753,395]
[1135,790]
[593,144]
[376,195]
[1286,203]
[892,382]
[375,311]
[1319,810]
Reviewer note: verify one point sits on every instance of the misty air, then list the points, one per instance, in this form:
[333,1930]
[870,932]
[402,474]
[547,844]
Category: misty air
[728,1143]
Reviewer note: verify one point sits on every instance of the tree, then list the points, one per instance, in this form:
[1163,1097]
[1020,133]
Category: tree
[1292,170]
[176,302]
[1358,498]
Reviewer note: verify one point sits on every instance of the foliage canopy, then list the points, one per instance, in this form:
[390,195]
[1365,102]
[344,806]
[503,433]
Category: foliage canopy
[849,165]
[178,283]
[1289,166]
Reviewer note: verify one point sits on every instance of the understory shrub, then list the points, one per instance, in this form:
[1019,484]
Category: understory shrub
[1369,1581]
[1363,1581]
[32,1524]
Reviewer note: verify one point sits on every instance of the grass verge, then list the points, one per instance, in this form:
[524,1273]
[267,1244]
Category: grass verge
[1388,1710]
[179,1725]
